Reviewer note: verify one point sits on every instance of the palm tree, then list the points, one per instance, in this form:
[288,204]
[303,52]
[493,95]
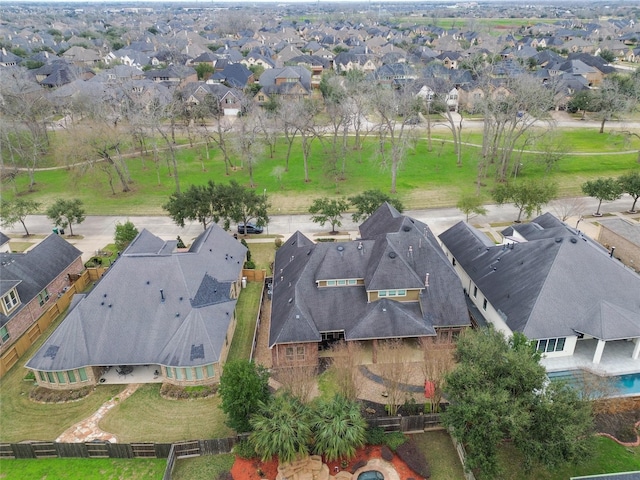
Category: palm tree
[282,428]
[338,427]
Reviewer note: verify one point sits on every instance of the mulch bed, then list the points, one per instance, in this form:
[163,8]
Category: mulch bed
[250,469]
[617,418]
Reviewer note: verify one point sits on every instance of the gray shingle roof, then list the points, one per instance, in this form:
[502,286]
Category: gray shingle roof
[551,286]
[152,306]
[31,272]
[301,310]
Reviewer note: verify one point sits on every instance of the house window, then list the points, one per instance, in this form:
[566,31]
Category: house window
[178,373]
[299,353]
[484,304]
[4,334]
[199,374]
[342,282]
[453,261]
[475,291]
[210,371]
[61,377]
[10,300]
[42,377]
[188,374]
[288,353]
[261,98]
[331,283]
[82,373]
[352,281]
[382,293]
[551,345]
[72,376]
[50,377]
[43,296]
[169,372]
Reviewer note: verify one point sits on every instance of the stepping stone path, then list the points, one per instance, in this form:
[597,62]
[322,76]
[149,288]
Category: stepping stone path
[87,430]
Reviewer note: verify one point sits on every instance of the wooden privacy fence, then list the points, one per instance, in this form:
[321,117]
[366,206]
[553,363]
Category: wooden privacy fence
[409,423]
[254,275]
[84,450]
[29,337]
[254,342]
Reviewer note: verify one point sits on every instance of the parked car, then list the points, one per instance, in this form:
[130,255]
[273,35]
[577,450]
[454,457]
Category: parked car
[250,228]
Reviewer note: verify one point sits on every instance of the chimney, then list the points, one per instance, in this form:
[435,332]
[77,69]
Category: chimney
[162,295]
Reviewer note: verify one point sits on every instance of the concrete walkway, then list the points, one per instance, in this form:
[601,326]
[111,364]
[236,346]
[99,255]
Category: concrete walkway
[87,430]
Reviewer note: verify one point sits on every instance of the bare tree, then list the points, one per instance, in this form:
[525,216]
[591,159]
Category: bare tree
[346,358]
[287,113]
[438,360]
[268,122]
[569,207]
[510,112]
[394,372]
[298,381]
[247,143]
[210,108]
[305,121]
[393,109]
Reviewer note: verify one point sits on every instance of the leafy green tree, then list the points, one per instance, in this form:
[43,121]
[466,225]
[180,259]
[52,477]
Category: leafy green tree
[330,210]
[369,201]
[528,196]
[630,183]
[581,100]
[281,427]
[241,204]
[243,388]
[17,210]
[204,71]
[338,427]
[125,233]
[498,391]
[604,189]
[64,213]
[607,55]
[197,203]
[470,203]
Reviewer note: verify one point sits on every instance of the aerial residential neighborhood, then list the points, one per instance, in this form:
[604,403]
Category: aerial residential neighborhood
[307,241]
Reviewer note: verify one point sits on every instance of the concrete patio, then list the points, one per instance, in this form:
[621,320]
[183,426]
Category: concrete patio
[616,359]
[139,374]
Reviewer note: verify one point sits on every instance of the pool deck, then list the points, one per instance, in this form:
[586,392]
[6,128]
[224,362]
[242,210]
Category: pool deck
[616,359]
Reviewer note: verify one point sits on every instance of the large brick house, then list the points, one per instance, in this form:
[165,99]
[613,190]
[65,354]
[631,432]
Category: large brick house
[393,283]
[30,283]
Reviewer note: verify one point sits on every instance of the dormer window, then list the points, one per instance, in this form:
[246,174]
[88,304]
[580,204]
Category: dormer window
[10,301]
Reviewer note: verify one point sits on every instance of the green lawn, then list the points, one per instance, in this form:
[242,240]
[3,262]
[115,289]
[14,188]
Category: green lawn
[23,419]
[83,469]
[441,455]
[247,312]
[607,457]
[426,179]
[147,417]
[209,467]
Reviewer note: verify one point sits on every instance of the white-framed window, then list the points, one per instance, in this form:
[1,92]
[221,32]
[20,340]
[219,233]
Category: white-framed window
[10,300]
[475,291]
[392,293]
[288,353]
[331,283]
[484,305]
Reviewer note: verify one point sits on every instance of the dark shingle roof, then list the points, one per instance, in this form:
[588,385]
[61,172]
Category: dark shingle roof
[550,285]
[34,270]
[396,252]
[152,307]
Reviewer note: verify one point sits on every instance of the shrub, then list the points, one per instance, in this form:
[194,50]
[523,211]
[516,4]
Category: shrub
[244,242]
[176,392]
[244,449]
[394,439]
[414,458]
[278,243]
[375,436]
[249,265]
[47,395]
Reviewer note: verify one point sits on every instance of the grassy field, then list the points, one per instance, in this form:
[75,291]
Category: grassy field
[607,457]
[23,419]
[208,467]
[83,469]
[246,311]
[441,455]
[147,417]
[426,179]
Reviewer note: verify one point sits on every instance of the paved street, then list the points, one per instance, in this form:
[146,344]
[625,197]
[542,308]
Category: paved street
[98,231]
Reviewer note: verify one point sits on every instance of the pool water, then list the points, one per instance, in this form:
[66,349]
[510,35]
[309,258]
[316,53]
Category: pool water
[371,475]
[621,385]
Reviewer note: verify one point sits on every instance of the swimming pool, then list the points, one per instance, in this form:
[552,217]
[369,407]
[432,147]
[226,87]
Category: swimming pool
[371,475]
[621,385]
